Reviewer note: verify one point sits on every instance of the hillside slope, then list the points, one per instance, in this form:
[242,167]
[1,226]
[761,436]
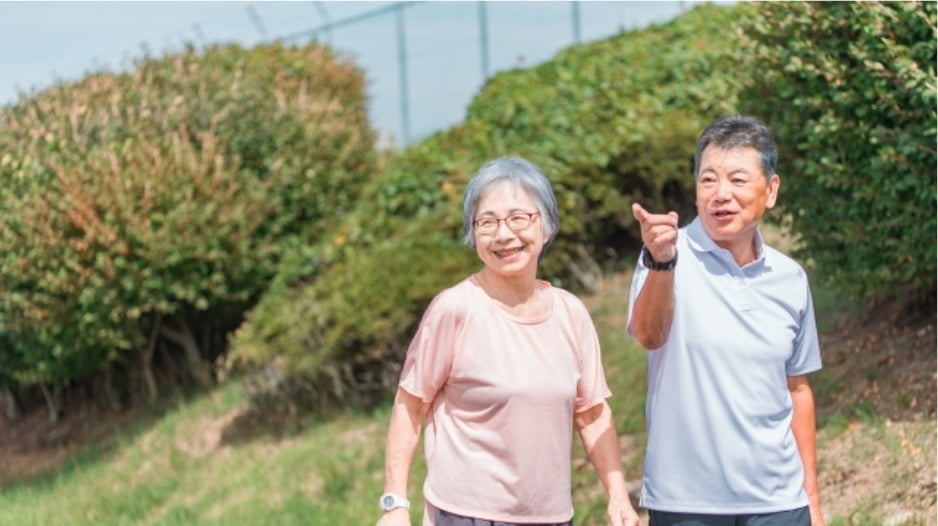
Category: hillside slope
[876,402]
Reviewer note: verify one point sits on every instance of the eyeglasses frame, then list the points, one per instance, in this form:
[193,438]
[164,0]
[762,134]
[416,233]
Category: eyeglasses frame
[499,220]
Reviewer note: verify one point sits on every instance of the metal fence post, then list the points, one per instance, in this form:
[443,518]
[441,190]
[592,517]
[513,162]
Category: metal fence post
[484,40]
[258,23]
[402,72]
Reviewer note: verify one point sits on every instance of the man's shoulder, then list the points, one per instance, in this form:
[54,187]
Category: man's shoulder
[781,261]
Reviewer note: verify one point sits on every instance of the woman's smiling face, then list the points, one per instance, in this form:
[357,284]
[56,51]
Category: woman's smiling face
[505,251]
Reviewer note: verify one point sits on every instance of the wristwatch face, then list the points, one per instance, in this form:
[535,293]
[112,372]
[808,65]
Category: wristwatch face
[389,501]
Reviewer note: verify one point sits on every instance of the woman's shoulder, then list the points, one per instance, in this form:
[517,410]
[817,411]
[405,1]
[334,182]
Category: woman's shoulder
[569,300]
[455,300]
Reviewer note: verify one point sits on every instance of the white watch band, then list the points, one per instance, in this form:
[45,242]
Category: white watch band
[390,501]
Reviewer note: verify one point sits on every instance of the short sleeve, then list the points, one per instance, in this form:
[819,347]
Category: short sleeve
[806,352]
[429,358]
[592,388]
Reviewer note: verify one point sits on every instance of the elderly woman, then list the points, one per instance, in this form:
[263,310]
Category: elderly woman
[501,368]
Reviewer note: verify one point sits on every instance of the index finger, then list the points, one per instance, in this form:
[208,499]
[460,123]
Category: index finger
[645,217]
[641,215]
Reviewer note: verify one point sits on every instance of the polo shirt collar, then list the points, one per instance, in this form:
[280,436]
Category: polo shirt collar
[701,242]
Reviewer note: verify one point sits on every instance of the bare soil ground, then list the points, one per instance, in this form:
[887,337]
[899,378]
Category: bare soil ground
[880,367]
[32,444]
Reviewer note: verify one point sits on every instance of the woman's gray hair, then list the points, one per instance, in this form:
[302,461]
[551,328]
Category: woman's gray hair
[519,173]
[736,132]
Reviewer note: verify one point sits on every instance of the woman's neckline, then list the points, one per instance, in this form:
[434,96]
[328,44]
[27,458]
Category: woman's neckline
[535,309]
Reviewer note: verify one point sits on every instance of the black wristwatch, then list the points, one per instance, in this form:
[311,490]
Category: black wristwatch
[651,264]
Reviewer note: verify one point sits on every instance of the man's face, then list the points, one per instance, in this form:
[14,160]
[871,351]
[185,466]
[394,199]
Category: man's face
[733,194]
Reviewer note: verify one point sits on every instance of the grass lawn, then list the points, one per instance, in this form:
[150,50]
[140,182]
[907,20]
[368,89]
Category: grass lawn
[203,461]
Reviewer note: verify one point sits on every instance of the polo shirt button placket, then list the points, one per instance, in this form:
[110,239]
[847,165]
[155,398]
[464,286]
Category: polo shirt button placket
[745,301]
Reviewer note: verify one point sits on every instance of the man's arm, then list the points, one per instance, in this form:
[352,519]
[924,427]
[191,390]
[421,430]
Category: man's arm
[802,426]
[653,310]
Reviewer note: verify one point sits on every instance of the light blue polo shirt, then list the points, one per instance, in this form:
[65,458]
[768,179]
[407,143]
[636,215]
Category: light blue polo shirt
[718,408]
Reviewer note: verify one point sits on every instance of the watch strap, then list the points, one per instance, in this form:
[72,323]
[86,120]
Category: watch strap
[651,264]
[390,501]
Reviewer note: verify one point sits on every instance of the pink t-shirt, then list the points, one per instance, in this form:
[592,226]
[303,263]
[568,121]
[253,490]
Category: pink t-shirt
[503,393]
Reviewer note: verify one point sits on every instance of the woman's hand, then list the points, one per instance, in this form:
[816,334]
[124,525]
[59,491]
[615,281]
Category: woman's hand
[395,517]
[621,512]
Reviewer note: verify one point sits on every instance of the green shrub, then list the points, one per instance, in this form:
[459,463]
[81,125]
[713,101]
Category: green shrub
[850,91]
[609,123]
[149,208]
[348,331]
[616,122]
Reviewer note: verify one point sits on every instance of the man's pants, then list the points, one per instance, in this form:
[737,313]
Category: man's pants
[799,517]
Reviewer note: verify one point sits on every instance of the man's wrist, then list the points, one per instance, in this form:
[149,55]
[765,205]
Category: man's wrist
[652,264]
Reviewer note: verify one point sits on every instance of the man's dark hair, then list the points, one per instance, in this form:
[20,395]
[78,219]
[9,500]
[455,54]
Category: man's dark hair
[739,131]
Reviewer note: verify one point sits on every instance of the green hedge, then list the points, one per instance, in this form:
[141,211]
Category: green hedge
[609,122]
[151,208]
[850,91]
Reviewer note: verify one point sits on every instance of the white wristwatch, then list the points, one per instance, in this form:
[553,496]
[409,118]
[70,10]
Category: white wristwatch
[389,501]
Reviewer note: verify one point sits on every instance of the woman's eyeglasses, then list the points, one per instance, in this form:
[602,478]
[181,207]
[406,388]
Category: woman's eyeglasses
[516,222]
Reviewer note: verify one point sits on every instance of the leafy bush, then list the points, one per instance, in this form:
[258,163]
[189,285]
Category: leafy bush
[609,123]
[348,331]
[616,122]
[150,208]
[850,91]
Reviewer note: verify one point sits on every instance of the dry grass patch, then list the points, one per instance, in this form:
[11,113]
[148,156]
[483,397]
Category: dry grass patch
[879,473]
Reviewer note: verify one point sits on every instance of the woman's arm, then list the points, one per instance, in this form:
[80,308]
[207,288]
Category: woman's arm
[597,431]
[407,416]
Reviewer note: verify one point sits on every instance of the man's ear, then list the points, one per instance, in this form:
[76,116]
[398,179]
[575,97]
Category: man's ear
[774,182]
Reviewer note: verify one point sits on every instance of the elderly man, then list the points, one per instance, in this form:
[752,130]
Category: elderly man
[729,325]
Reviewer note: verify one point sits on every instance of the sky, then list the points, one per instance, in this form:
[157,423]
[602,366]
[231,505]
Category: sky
[44,42]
